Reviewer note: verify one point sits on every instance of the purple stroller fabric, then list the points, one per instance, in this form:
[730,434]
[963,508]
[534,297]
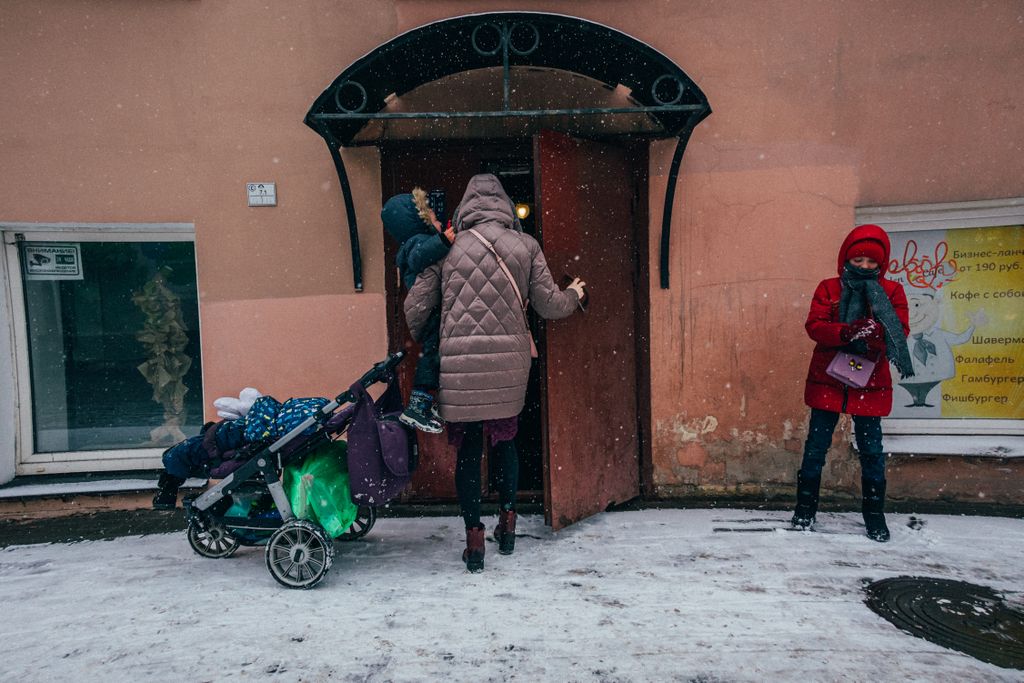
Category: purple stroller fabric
[379,447]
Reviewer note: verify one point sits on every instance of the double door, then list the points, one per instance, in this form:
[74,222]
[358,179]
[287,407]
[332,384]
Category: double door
[581,436]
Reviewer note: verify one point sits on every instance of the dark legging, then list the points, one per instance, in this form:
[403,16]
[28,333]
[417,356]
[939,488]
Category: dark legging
[428,367]
[467,473]
[868,431]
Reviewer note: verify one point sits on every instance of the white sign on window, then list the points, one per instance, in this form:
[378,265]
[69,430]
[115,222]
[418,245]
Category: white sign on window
[52,261]
[262,194]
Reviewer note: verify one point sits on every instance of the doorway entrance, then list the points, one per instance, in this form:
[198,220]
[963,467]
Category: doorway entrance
[581,432]
[497,94]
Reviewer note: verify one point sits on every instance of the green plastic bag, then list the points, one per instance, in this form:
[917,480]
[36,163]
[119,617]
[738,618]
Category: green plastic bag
[318,489]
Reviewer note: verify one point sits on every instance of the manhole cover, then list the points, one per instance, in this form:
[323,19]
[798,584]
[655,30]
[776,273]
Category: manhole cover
[961,616]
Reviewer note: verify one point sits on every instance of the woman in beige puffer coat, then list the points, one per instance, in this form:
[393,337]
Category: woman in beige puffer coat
[486,344]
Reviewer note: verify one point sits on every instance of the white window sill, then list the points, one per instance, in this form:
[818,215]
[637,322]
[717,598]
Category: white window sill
[972,445]
[87,487]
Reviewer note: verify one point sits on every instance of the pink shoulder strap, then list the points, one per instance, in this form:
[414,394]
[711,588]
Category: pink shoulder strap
[501,263]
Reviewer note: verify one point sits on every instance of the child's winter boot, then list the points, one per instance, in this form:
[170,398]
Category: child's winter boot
[473,555]
[418,416]
[505,532]
[166,497]
[806,500]
[872,507]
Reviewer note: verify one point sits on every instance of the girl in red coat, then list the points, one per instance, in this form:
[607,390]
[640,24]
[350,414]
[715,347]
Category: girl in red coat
[863,313]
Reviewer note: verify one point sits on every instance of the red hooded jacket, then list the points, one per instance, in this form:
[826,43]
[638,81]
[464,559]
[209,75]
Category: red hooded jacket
[823,326]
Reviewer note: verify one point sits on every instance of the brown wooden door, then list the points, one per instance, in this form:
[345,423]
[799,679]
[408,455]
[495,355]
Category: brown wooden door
[586,196]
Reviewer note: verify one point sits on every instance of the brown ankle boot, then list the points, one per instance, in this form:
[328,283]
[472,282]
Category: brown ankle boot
[505,532]
[473,555]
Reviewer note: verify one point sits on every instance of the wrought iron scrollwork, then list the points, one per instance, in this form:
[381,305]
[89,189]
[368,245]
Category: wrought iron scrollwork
[512,31]
[499,39]
[660,82]
[344,90]
[503,36]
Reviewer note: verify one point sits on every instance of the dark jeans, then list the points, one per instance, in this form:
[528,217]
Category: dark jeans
[428,367]
[868,431]
[467,473]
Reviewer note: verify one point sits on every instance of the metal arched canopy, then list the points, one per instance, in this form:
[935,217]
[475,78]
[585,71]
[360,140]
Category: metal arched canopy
[662,90]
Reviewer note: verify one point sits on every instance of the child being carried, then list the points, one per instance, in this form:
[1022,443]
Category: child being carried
[423,241]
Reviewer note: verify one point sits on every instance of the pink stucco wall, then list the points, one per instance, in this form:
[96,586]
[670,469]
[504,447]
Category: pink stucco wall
[161,111]
[818,109]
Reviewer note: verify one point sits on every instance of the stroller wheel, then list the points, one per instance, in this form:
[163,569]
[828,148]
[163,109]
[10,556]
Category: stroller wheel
[214,542]
[365,519]
[299,554]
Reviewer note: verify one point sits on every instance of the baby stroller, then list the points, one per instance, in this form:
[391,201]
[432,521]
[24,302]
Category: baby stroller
[299,552]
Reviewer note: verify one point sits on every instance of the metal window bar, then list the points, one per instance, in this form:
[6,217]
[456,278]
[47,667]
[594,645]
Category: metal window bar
[511,113]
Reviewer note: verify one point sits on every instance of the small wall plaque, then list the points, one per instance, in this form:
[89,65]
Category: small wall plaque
[262,194]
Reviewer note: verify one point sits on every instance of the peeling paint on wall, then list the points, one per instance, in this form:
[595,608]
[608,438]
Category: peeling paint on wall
[678,432]
[748,436]
[787,430]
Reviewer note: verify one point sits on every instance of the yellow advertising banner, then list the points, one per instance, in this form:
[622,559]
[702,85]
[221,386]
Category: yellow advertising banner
[965,288]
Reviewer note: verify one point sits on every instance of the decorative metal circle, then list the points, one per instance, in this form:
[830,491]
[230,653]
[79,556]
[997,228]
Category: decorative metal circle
[655,92]
[962,616]
[347,89]
[499,38]
[512,35]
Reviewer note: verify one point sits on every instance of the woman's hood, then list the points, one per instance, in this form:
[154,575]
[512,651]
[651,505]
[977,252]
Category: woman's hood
[865,232]
[485,202]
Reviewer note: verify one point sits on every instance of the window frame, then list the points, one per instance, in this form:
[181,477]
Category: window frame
[950,436]
[26,460]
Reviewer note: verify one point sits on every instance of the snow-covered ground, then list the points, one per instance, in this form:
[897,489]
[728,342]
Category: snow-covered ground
[657,595]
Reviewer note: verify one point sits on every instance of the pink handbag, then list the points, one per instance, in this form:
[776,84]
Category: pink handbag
[851,369]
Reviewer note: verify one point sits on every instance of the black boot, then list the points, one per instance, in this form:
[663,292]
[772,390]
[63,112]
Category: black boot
[806,500]
[872,508]
[505,532]
[418,414]
[166,497]
[473,555]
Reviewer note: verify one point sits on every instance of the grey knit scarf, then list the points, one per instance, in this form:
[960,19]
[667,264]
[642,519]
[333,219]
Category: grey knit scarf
[863,295]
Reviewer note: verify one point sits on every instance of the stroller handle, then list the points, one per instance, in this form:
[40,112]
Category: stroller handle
[382,369]
[377,373]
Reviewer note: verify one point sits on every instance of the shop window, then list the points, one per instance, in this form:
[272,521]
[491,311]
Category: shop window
[962,268]
[108,342]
